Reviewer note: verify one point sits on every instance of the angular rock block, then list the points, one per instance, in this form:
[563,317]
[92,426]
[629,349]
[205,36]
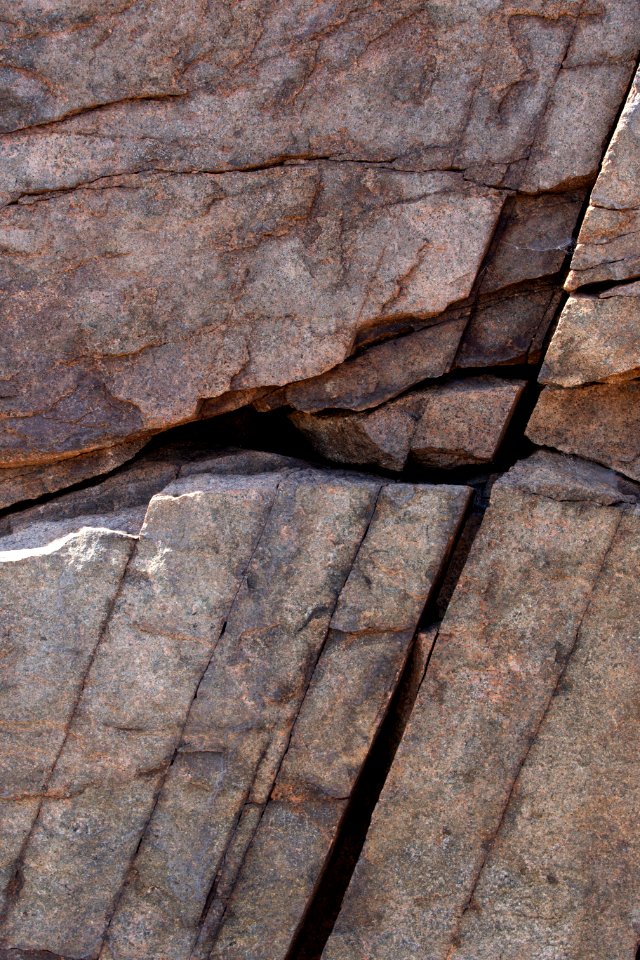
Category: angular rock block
[600,422]
[441,426]
[506,827]
[608,248]
[597,340]
[186,763]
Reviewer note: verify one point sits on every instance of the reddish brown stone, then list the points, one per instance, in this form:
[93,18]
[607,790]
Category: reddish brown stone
[609,243]
[599,422]
[597,339]
[445,426]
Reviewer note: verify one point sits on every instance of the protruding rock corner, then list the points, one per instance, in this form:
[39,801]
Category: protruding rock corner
[320,480]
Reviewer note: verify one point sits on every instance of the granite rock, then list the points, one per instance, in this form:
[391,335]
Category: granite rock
[378,374]
[608,248]
[600,422]
[488,839]
[213,283]
[194,721]
[597,340]
[229,199]
[455,424]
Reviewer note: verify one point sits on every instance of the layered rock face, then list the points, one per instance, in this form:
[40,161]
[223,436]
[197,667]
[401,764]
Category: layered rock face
[346,665]
[206,202]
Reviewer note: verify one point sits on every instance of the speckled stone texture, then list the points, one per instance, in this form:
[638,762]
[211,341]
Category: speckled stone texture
[196,720]
[319,480]
[506,827]
[203,202]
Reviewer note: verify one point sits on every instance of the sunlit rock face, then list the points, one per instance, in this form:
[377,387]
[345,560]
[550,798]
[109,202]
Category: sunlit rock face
[227,198]
[319,480]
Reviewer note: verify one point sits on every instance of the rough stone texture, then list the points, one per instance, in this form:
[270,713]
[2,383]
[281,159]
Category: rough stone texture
[371,630]
[489,839]
[347,218]
[28,483]
[590,406]
[599,422]
[55,602]
[608,247]
[561,880]
[213,283]
[249,601]
[482,88]
[455,424]
[597,340]
[234,198]
[380,373]
[509,328]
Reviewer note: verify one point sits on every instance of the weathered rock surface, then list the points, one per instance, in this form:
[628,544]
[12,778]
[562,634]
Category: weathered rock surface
[380,373]
[599,422]
[590,404]
[608,247]
[450,425]
[284,185]
[506,824]
[56,601]
[197,717]
[597,340]
[31,482]
[330,226]
[213,284]
[485,89]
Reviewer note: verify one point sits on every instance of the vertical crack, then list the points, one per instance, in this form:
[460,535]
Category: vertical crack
[15,883]
[309,680]
[325,903]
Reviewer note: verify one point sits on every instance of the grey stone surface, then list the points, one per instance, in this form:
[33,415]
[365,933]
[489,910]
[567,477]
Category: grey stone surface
[475,815]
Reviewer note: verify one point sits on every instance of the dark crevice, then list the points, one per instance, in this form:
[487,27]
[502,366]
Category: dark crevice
[326,902]
[603,286]
[324,905]
[308,681]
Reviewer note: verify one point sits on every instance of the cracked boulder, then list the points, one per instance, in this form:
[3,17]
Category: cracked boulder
[175,787]
[506,827]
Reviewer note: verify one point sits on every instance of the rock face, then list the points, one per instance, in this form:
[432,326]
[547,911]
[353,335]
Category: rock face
[488,839]
[246,207]
[590,404]
[256,704]
[250,601]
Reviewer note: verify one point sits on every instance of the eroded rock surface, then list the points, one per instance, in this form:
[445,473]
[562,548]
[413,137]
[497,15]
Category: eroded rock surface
[488,839]
[249,602]
[284,186]
[257,708]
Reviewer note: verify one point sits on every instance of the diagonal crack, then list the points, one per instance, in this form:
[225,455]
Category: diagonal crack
[241,582]
[14,883]
[531,740]
[310,676]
